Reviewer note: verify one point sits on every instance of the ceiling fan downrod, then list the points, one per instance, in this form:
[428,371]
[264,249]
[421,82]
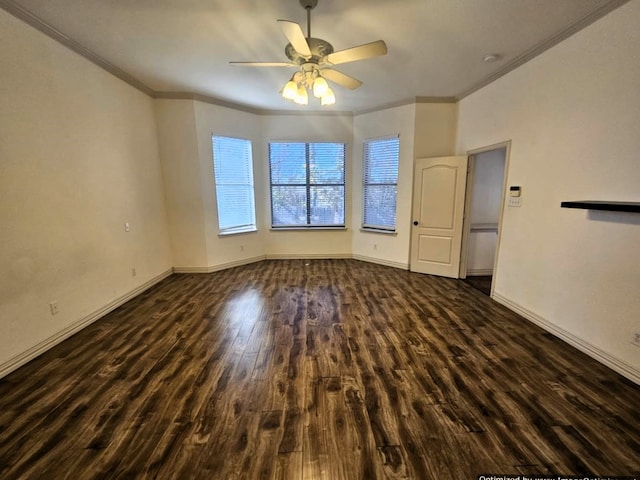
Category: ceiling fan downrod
[308,5]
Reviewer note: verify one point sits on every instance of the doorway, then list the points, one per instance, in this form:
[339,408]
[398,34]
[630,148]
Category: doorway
[483,214]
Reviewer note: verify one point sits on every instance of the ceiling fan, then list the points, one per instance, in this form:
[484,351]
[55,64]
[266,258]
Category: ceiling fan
[314,58]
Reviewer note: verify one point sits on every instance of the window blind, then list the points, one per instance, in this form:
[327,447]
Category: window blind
[233,171]
[380,183]
[307,184]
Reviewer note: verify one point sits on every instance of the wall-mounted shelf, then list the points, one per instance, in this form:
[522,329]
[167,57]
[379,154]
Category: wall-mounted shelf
[607,206]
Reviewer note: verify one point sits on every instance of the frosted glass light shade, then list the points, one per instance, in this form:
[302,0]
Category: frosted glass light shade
[320,87]
[290,90]
[302,97]
[328,98]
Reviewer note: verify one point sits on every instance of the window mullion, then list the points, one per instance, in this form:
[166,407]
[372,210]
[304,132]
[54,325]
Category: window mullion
[308,184]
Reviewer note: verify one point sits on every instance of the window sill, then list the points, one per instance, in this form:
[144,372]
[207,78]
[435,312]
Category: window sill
[278,229]
[237,231]
[376,230]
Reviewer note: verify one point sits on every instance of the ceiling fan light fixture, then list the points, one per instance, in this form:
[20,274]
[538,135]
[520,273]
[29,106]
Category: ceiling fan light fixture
[329,98]
[290,90]
[320,87]
[313,56]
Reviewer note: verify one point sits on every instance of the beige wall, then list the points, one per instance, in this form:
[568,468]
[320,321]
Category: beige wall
[383,247]
[185,130]
[215,120]
[183,189]
[307,128]
[573,116]
[426,130]
[78,159]
[435,129]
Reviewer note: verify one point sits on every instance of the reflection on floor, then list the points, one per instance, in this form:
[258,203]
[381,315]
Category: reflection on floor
[482,283]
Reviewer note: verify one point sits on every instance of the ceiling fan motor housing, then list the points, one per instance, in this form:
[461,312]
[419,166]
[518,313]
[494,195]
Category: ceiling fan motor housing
[309,4]
[319,49]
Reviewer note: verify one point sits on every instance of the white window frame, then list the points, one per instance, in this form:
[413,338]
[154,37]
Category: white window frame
[247,157]
[308,186]
[370,227]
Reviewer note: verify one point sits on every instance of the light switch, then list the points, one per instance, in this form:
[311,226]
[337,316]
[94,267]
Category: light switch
[515,201]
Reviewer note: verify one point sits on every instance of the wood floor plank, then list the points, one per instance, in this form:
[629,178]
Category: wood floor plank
[313,369]
[314,447]
[288,466]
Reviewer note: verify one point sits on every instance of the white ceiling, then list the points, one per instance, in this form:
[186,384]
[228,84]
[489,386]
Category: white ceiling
[435,47]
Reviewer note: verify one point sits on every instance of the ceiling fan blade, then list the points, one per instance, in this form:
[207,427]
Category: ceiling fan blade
[296,37]
[340,78]
[263,64]
[362,52]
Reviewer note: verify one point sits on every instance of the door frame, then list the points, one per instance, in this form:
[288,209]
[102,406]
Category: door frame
[466,227]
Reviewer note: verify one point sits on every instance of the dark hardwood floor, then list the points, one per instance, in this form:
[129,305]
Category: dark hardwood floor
[482,283]
[315,369]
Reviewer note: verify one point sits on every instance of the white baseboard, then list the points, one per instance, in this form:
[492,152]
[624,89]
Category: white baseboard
[290,256]
[222,266]
[303,256]
[16,362]
[479,272]
[594,352]
[381,261]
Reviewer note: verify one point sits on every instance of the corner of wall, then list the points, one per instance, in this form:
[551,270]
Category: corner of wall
[179,156]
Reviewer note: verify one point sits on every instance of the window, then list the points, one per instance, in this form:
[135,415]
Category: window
[307,184]
[233,170]
[380,183]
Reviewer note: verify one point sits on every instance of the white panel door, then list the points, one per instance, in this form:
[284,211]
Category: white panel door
[438,209]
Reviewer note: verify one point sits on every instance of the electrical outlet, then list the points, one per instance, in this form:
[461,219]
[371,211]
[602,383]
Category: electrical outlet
[242,248]
[133,272]
[54,308]
[127,227]
[375,246]
[636,339]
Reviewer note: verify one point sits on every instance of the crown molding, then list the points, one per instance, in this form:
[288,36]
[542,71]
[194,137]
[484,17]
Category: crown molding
[386,106]
[436,100]
[530,54]
[206,99]
[244,108]
[406,101]
[307,113]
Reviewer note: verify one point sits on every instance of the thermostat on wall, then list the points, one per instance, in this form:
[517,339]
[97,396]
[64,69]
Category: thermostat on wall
[515,200]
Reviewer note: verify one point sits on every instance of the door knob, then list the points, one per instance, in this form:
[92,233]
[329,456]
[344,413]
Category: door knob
[415,222]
